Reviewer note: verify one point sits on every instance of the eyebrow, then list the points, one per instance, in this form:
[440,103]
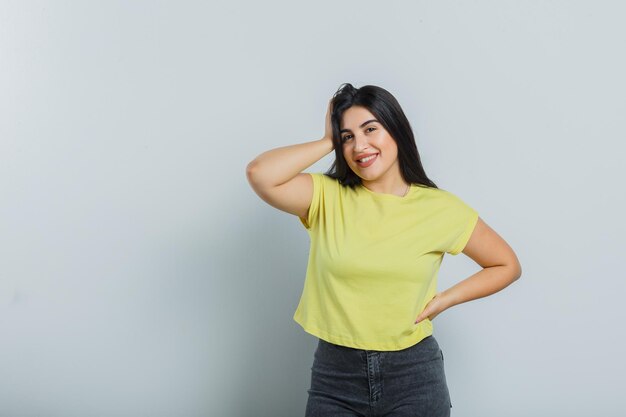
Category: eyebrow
[362,124]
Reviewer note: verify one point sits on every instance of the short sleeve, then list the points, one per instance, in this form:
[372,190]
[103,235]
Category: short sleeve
[311,220]
[461,219]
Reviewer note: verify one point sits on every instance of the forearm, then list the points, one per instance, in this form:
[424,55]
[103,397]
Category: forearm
[483,283]
[279,165]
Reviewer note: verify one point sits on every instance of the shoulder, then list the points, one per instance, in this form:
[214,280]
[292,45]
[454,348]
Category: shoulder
[444,199]
[436,193]
[447,194]
[324,181]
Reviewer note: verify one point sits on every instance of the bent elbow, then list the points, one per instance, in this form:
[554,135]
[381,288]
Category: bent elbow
[251,169]
[518,271]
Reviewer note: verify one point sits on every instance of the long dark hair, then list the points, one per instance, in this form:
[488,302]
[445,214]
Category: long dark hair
[384,106]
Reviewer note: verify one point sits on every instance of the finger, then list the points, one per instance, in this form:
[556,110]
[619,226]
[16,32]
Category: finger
[424,314]
[419,318]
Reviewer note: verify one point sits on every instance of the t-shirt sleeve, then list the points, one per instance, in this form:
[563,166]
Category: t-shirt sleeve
[313,214]
[461,219]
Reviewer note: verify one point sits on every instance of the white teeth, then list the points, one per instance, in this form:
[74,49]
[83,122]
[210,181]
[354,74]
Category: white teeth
[367,158]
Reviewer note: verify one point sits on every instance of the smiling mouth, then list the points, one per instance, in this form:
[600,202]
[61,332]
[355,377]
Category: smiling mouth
[367,158]
[367,161]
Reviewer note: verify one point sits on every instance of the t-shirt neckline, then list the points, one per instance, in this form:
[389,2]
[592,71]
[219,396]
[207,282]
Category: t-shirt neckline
[389,196]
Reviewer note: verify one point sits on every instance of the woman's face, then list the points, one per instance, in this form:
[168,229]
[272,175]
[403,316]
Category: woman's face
[362,136]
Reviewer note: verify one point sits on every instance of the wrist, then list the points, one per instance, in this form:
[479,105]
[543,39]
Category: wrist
[449,298]
[329,142]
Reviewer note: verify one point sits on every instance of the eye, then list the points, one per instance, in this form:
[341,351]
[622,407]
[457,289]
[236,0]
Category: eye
[373,128]
[346,137]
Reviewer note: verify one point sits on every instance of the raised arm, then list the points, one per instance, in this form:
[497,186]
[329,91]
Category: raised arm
[276,175]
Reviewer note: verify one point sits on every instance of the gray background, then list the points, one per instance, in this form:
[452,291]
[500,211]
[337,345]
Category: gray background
[141,276]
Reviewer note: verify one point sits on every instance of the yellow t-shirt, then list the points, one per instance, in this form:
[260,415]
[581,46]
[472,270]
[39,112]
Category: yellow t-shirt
[374,259]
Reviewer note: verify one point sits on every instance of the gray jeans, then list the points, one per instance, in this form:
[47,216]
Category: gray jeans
[348,382]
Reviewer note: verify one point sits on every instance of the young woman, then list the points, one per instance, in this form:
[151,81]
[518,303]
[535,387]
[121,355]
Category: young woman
[379,228]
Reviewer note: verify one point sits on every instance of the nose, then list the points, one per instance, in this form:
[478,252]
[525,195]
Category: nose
[360,143]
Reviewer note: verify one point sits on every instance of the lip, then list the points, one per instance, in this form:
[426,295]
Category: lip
[364,155]
[368,163]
